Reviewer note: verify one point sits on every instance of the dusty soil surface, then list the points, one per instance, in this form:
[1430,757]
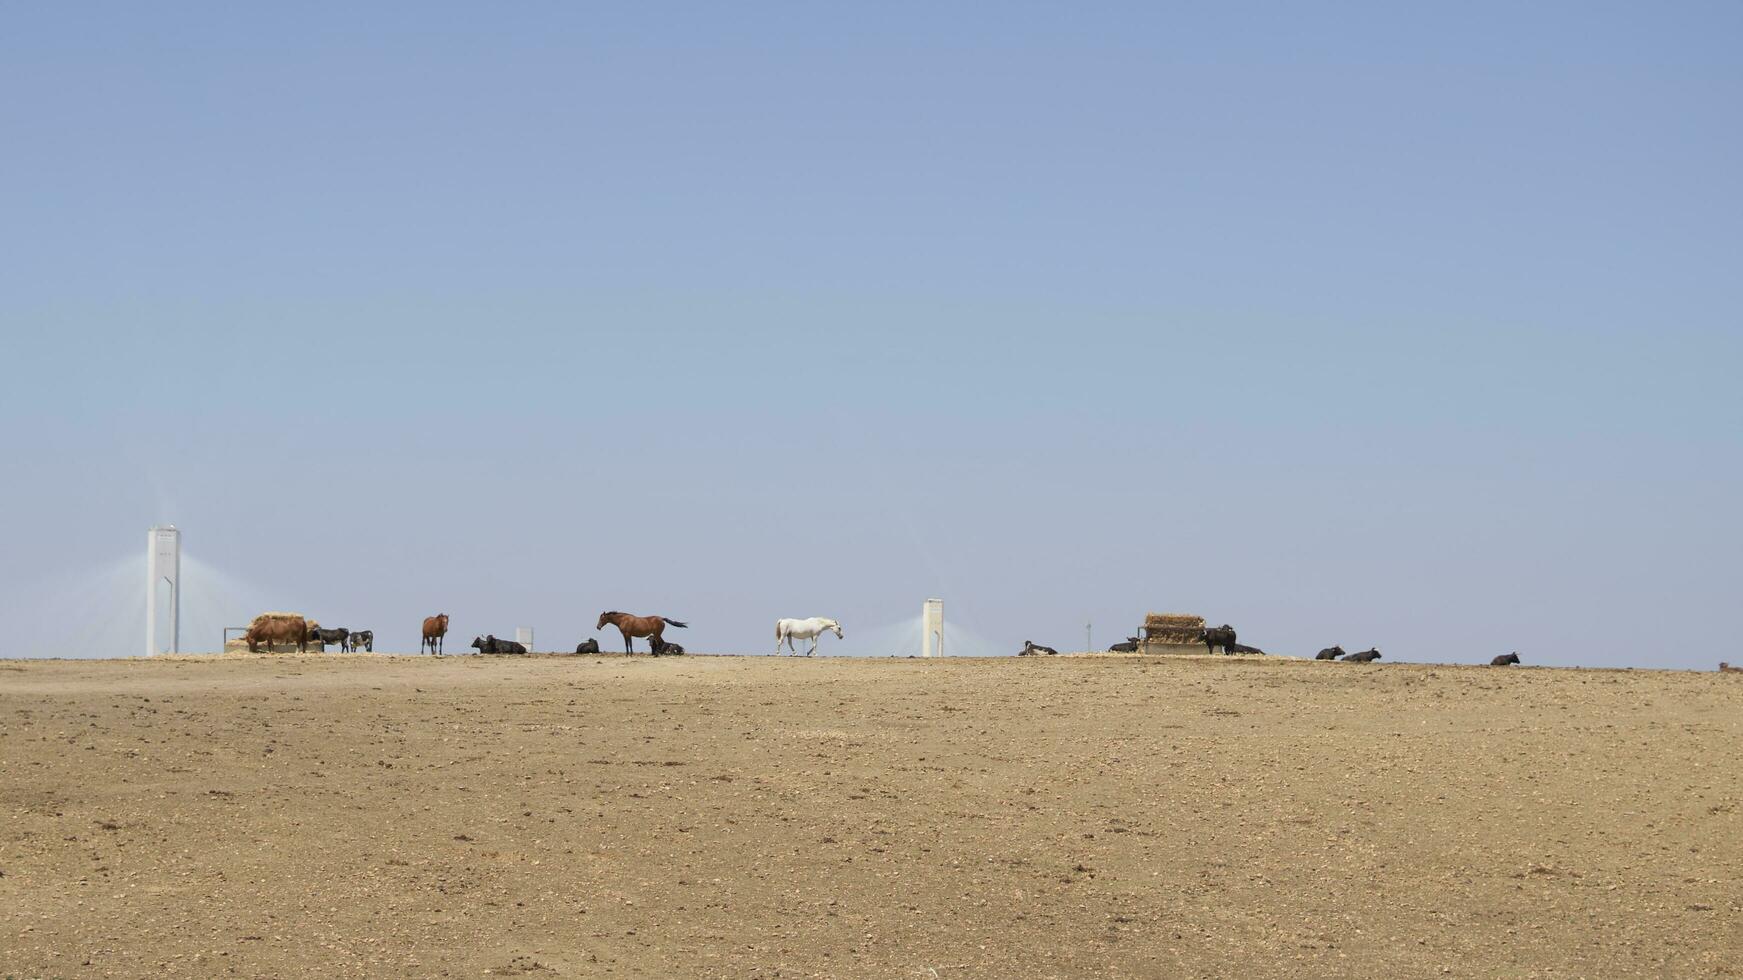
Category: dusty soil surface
[751,817]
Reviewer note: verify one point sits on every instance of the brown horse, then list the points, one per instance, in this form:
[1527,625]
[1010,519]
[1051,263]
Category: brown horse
[633,626]
[435,627]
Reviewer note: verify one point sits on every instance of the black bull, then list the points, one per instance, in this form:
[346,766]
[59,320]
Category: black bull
[1218,636]
[339,635]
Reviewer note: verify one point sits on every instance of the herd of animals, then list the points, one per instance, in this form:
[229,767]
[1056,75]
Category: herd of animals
[652,627]
[1223,637]
[285,630]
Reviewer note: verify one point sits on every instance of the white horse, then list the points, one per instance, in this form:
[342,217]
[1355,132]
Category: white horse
[804,629]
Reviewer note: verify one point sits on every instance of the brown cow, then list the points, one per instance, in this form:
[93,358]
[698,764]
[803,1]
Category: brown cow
[278,629]
[435,627]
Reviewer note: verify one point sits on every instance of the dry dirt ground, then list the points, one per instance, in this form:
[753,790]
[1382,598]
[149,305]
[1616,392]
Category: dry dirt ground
[752,817]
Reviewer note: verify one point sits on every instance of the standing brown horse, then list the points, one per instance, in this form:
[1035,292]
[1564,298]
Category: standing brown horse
[435,627]
[633,626]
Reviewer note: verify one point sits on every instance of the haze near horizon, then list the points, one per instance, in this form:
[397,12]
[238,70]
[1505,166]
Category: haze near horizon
[1416,328]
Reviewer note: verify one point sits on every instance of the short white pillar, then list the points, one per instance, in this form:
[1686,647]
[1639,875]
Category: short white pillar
[932,628]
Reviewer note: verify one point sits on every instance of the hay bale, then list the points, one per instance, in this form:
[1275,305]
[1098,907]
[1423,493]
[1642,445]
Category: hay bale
[1172,629]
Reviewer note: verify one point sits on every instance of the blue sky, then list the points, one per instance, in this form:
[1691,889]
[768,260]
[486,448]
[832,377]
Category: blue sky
[1408,326]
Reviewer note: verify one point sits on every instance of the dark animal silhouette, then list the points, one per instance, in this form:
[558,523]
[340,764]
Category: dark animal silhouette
[1330,653]
[591,646]
[361,640]
[1218,636]
[1244,649]
[488,643]
[1511,658]
[278,629]
[322,637]
[1367,656]
[1130,646]
[1033,649]
[634,626]
[1725,668]
[435,627]
[664,649]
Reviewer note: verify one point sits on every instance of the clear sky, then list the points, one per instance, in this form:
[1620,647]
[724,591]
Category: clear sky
[1395,324]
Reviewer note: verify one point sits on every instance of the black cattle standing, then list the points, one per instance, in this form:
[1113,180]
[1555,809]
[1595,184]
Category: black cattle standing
[1218,636]
[323,637]
[1511,658]
[359,640]
[1330,653]
[1367,656]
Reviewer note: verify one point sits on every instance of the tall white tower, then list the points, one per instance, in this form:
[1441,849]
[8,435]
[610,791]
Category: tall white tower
[163,570]
[932,628]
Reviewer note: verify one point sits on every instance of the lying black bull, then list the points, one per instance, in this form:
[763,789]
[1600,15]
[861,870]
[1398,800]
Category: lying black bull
[1511,658]
[1367,656]
[1330,653]
[591,646]
[1130,646]
[490,644]
[665,649]
[1033,649]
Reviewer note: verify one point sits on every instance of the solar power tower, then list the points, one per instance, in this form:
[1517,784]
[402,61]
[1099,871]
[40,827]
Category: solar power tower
[163,589]
[932,628]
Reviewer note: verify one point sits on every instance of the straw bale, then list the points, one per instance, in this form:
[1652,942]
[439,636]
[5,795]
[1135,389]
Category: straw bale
[266,617]
[1173,628]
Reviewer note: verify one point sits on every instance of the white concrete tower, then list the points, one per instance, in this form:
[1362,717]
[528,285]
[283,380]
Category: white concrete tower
[163,570]
[932,628]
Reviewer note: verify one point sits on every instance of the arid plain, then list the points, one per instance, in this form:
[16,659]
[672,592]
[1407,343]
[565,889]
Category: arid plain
[549,817]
